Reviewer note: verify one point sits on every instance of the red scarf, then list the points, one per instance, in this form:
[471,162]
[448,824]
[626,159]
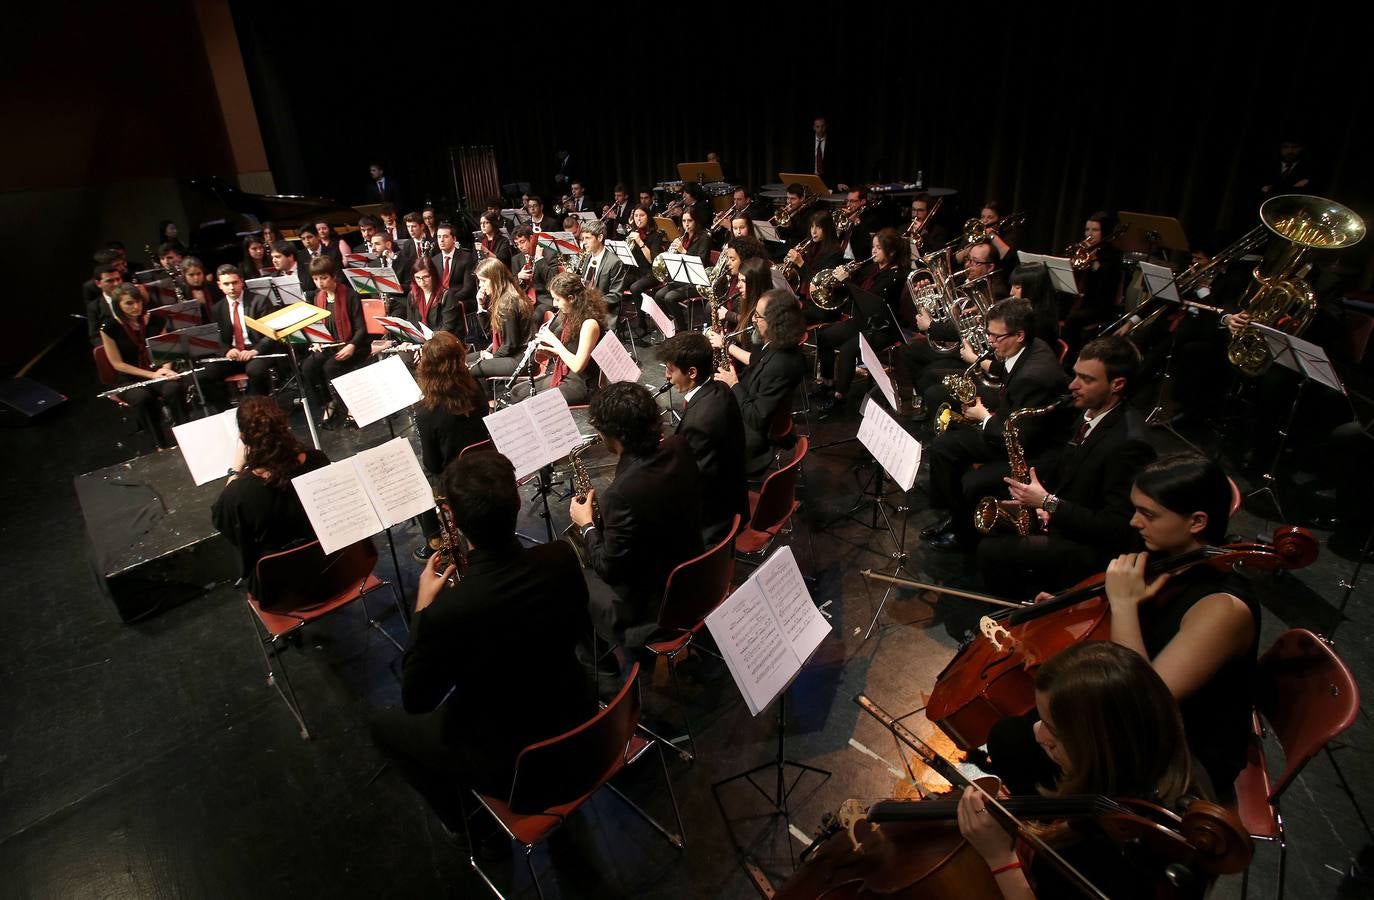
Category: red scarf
[421,303]
[560,368]
[136,335]
[339,322]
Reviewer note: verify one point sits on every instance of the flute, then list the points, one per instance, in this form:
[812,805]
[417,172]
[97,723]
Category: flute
[219,359]
[137,384]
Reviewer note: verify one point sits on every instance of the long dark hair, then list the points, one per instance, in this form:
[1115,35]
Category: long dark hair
[758,280]
[585,301]
[830,241]
[1186,483]
[443,376]
[251,268]
[266,433]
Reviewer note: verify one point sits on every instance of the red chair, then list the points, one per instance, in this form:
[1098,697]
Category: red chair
[1063,350]
[1236,498]
[554,777]
[371,310]
[771,508]
[305,584]
[107,375]
[1308,698]
[695,588]
[478,447]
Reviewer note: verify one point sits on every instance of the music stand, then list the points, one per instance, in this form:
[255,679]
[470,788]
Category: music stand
[281,324]
[812,183]
[700,172]
[185,344]
[1156,231]
[668,227]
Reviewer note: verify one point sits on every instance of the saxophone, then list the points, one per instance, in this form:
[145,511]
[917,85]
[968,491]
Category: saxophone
[582,486]
[709,291]
[990,512]
[450,540]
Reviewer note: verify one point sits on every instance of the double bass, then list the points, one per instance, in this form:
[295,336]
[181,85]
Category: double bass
[992,676]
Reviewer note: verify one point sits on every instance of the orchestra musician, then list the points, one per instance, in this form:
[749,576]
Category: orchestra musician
[367,227]
[255,263]
[741,204]
[616,214]
[125,339]
[577,199]
[650,515]
[493,242]
[646,241]
[400,261]
[346,327]
[197,287]
[933,234]
[391,224]
[837,344]
[417,240]
[796,229]
[1100,283]
[826,251]
[511,316]
[334,245]
[675,298]
[646,200]
[538,220]
[753,281]
[454,268]
[1083,498]
[244,345]
[1110,726]
[1198,629]
[518,611]
[270,234]
[1031,281]
[603,269]
[534,266]
[990,215]
[863,221]
[430,216]
[766,389]
[448,419]
[567,342]
[311,246]
[822,161]
[106,277]
[382,189]
[1030,376]
[712,424]
[258,511]
[429,304]
[284,260]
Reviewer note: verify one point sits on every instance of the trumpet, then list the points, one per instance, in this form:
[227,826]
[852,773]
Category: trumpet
[915,232]
[722,219]
[783,217]
[1082,254]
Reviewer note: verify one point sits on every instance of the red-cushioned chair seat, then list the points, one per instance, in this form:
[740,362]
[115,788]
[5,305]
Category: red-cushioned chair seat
[751,540]
[531,828]
[1252,790]
[669,646]
[278,624]
[240,378]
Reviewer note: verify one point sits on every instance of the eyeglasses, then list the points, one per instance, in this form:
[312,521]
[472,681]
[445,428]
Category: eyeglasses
[997,338]
[756,316]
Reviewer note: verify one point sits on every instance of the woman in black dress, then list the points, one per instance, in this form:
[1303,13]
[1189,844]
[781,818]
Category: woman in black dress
[347,330]
[258,511]
[646,241]
[511,313]
[449,418]
[493,242]
[125,339]
[695,240]
[1031,281]
[825,251]
[569,339]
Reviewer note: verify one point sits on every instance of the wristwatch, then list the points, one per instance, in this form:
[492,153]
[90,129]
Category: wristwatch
[587,528]
[1050,503]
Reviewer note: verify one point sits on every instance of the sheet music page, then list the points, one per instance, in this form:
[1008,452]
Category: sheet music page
[661,319]
[756,651]
[394,481]
[1159,280]
[615,361]
[209,445]
[876,371]
[891,445]
[376,391]
[290,315]
[554,423]
[337,505]
[289,288]
[785,590]
[514,435]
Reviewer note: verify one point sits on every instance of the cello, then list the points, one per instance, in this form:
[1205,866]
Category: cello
[991,677]
[912,848]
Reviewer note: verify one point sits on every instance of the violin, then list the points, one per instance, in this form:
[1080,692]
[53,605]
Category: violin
[913,848]
[993,675]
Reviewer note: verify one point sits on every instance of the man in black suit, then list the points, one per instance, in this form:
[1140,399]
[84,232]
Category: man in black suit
[770,382]
[382,189]
[312,248]
[603,269]
[538,275]
[650,516]
[401,262]
[712,424]
[540,220]
[820,159]
[1084,497]
[244,344]
[100,301]
[1030,375]
[286,261]
[490,667]
[578,201]
[417,240]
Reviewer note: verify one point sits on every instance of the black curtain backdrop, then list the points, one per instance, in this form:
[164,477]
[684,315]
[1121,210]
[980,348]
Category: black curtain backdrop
[1054,111]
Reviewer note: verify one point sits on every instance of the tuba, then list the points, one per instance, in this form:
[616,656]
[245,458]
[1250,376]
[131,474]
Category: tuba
[1279,296]
[990,512]
[582,486]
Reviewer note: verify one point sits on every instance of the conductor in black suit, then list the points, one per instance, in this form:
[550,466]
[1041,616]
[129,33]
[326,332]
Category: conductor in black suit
[650,515]
[501,641]
[1084,496]
[1030,375]
[766,390]
[712,424]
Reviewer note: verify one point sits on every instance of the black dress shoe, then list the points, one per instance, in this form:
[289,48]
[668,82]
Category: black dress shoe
[948,541]
[938,528]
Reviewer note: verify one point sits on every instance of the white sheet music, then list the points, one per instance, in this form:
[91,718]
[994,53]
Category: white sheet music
[394,481]
[289,288]
[766,232]
[1060,269]
[209,445]
[615,361]
[876,371]
[535,432]
[622,251]
[767,629]
[1159,280]
[290,315]
[337,505]
[661,319]
[895,450]
[1303,357]
[376,391]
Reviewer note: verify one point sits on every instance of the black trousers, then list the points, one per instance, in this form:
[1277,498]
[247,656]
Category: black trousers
[837,349]
[147,402]
[955,485]
[414,742]
[676,300]
[259,372]
[322,367]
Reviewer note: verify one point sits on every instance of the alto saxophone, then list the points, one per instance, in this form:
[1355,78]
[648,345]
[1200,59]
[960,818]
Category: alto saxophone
[582,486]
[990,511]
[450,551]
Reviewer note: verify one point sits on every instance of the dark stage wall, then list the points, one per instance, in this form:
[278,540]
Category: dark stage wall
[1128,108]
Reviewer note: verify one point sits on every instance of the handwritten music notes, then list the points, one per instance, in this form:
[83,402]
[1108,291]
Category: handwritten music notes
[661,319]
[376,391]
[891,445]
[767,629]
[535,432]
[876,371]
[359,497]
[615,361]
[209,445]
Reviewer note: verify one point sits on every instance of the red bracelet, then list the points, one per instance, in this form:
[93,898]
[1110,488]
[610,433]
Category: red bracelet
[1015,864]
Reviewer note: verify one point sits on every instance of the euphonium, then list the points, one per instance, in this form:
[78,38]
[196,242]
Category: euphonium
[582,486]
[576,262]
[450,549]
[823,285]
[990,512]
[1280,297]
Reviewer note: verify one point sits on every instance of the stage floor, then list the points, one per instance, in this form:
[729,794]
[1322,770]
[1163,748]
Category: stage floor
[151,759]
